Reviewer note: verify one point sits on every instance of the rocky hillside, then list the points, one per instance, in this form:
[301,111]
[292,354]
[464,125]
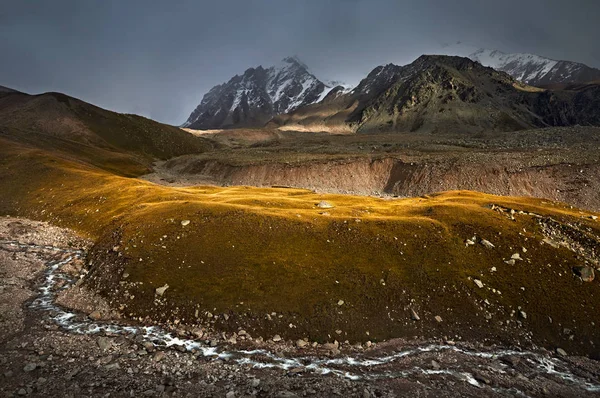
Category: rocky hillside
[439,94]
[252,99]
[6,90]
[123,143]
[536,70]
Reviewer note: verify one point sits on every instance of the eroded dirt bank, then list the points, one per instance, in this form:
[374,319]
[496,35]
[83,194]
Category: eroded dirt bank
[44,353]
[501,174]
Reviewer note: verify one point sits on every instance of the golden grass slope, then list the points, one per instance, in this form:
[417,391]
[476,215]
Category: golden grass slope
[248,252]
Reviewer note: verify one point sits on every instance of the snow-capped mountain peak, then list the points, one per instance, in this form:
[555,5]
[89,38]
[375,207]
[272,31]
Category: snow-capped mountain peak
[259,94]
[527,68]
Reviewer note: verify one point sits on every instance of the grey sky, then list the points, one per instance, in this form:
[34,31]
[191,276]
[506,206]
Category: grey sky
[158,58]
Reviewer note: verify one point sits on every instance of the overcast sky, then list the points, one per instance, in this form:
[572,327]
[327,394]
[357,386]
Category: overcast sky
[157,59]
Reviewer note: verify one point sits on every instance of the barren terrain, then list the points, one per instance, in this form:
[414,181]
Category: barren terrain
[556,163]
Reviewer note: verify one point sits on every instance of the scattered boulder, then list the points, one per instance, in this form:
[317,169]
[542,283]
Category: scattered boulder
[159,356]
[585,273]
[478,283]
[516,256]
[341,302]
[276,338]
[185,222]
[438,318]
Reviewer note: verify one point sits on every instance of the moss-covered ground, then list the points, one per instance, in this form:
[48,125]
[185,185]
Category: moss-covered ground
[272,262]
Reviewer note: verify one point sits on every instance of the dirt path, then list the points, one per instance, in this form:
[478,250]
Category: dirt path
[46,350]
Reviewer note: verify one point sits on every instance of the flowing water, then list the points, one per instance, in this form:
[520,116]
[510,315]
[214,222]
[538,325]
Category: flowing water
[357,367]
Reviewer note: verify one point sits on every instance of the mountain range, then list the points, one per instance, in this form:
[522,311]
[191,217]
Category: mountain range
[262,94]
[438,93]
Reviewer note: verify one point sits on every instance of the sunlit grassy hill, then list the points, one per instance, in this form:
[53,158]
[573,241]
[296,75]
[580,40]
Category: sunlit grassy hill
[272,261]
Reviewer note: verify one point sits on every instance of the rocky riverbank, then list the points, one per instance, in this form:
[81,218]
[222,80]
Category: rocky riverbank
[47,350]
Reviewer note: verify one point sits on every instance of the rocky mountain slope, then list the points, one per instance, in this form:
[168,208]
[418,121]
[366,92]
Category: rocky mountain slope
[252,99]
[440,94]
[534,69]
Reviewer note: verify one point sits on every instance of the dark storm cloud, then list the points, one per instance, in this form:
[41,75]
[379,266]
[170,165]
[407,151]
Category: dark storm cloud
[159,58]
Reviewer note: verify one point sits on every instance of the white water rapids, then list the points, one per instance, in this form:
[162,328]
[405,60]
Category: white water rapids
[355,368]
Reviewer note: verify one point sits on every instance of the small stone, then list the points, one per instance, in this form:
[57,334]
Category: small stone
[255,383]
[341,302]
[594,217]
[585,273]
[435,365]
[22,391]
[487,244]
[414,316]
[230,394]
[561,352]
[185,222]
[478,283]
[198,333]
[95,315]
[510,262]
[104,343]
[493,269]
[159,356]
[551,243]
[438,318]
[286,394]
[523,314]
[148,346]
[30,367]
[276,338]
[301,343]
[161,290]
[324,205]
[331,346]
[516,256]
